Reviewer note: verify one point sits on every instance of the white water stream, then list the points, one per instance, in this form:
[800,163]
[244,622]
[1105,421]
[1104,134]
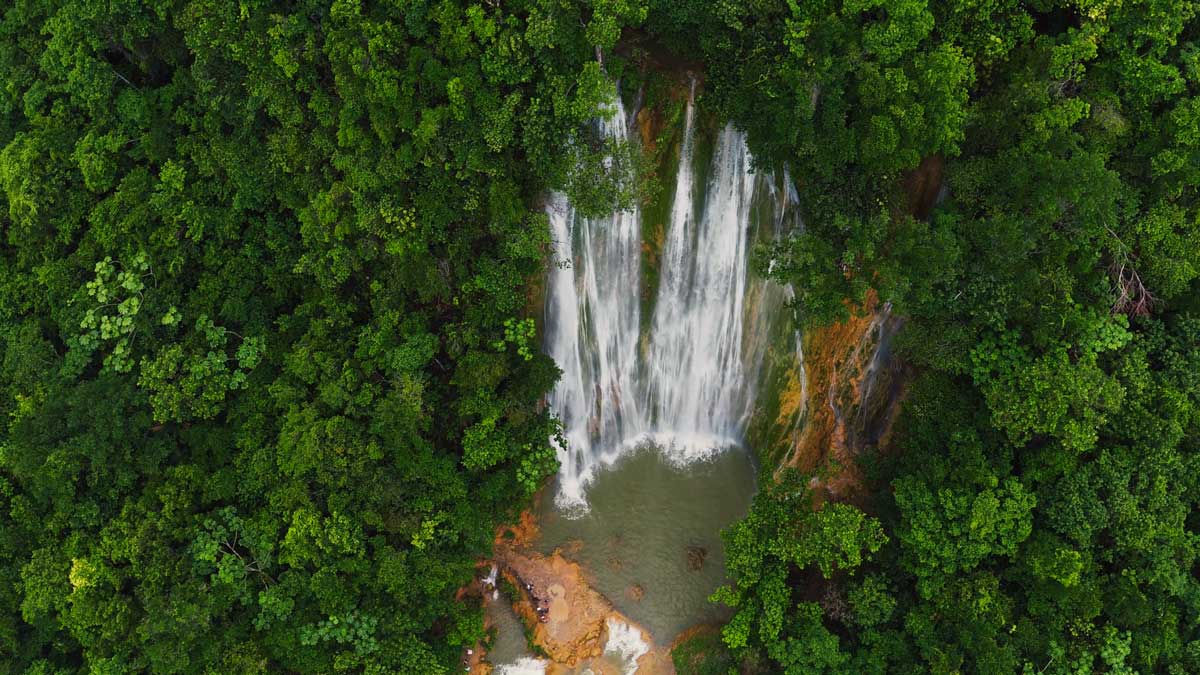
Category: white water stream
[683,379]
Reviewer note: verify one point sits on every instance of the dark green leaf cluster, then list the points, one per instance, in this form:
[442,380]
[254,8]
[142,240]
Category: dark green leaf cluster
[260,266]
[1041,502]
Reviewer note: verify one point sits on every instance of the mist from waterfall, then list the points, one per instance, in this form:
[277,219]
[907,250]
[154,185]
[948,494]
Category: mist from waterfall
[682,379]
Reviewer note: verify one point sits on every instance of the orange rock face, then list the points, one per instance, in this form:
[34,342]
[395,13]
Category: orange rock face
[574,629]
[574,632]
[850,395]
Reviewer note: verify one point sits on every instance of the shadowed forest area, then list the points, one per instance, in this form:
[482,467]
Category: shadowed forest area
[270,366]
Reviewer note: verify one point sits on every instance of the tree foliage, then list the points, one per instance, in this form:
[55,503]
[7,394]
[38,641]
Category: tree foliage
[1040,501]
[267,378]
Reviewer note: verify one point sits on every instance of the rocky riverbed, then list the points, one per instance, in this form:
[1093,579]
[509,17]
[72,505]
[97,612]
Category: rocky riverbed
[566,619]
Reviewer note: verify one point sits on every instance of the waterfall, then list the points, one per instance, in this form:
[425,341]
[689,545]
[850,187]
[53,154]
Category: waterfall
[686,386]
[593,313]
[696,388]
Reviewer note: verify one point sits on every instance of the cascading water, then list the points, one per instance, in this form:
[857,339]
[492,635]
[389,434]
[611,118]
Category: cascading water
[696,377]
[592,311]
[687,386]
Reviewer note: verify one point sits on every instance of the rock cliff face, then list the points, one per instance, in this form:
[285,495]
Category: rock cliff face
[846,403]
[821,412]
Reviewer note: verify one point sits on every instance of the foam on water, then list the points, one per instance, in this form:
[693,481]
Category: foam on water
[523,666]
[625,642]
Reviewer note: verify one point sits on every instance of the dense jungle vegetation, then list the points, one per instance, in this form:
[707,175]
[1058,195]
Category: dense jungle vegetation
[269,377]
[1038,511]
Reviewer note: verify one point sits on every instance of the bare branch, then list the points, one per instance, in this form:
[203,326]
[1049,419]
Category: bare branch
[1133,298]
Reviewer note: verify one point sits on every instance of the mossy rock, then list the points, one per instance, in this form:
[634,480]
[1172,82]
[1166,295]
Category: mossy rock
[703,653]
